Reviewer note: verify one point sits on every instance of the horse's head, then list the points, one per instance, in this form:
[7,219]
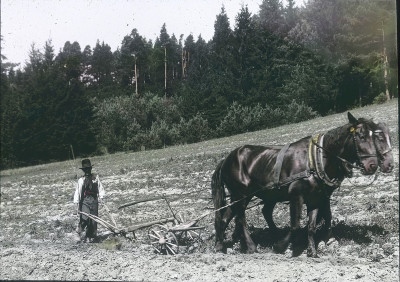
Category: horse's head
[383,147]
[364,152]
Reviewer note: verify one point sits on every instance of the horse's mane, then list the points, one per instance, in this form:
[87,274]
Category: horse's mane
[334,137]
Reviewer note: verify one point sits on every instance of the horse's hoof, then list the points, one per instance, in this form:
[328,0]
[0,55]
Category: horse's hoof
[251,250]
[312,254]
[219,248]
[280,248]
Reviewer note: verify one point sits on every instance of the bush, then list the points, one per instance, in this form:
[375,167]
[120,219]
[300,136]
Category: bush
[234,121]
[162,134]
[129,122]
[194,130]
[274,117]
[134,138]
[380,99]
[241,119]
[117,120]
[299,112]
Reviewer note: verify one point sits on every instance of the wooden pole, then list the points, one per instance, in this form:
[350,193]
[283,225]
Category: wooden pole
[165,71]
[72,150]
[183,64]
[148,224]
[385,66]
[136,79]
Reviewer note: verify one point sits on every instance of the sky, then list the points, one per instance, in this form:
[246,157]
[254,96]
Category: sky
[24,22]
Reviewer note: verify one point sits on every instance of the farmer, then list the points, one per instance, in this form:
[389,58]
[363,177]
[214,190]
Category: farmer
[86,199]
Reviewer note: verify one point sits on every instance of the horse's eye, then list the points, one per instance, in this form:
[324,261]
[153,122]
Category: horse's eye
[380,137]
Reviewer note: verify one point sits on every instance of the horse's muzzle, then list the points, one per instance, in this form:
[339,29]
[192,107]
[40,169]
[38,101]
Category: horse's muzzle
[370,166]
[386,167]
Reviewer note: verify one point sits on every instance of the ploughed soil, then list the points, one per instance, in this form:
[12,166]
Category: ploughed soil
[38,238]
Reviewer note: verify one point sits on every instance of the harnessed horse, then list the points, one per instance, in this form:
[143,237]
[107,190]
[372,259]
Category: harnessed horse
[304,172]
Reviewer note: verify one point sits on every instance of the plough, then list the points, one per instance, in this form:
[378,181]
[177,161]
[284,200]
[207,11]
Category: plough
[164,234]
[164,237]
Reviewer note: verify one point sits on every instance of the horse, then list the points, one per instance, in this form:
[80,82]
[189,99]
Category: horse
[303,172]
[382,143]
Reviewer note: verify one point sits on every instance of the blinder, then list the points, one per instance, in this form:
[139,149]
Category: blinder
[359,156]
[378,132]
[381,155]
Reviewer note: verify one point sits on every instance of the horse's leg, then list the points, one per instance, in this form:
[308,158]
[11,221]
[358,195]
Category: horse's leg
[326,213]
[312,228]
[220,227]
[219,232]
[241,227]
[296,204]
[267,213]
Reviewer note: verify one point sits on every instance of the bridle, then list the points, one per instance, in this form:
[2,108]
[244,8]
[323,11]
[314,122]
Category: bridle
[346,164]
[359,163]
[381,155]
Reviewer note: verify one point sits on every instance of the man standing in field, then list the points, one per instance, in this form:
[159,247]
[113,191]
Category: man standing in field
[88,192]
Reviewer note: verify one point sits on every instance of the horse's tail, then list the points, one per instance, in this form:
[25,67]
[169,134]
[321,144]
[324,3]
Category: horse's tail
[218,195]
[217,188]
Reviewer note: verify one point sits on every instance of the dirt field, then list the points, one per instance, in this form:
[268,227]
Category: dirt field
[37,225]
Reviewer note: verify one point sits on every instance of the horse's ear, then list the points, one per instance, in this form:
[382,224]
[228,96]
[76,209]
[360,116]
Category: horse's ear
[352,119]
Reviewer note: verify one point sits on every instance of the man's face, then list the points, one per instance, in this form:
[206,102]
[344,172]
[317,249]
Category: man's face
[87,171]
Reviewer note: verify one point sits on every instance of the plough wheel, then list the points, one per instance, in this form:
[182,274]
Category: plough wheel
[190,235]
[163,241]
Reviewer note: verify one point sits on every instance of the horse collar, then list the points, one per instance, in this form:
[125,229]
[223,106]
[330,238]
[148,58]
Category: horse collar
[315,154]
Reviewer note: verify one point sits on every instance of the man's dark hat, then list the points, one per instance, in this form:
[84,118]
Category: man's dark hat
[86,164]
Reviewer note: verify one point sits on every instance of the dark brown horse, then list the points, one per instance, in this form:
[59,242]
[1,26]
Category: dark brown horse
[304,172]
[382,142]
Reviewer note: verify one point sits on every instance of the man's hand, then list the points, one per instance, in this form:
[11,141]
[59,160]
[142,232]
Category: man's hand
[76,208]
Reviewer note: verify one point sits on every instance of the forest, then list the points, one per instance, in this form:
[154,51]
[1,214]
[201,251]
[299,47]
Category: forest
[282,65]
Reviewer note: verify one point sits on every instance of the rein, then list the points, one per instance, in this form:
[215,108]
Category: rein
[365,185]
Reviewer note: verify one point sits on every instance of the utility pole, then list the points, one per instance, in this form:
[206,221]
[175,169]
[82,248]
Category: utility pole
[136,80]
[385,65]
[165,71]
[184,61]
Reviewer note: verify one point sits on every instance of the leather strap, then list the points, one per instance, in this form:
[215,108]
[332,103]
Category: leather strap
[278,164]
